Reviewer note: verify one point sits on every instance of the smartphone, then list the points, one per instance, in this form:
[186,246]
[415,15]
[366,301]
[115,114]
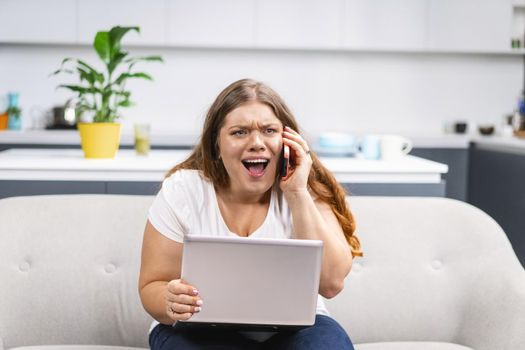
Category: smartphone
[285,161]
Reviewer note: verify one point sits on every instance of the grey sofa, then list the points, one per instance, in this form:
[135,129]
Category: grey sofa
[437,274]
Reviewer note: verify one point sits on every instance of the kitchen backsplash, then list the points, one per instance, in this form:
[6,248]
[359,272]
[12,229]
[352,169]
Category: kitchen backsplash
[353,92]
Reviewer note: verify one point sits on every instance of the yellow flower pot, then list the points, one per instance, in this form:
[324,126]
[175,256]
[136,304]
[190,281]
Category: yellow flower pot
[3,120]
[99,140]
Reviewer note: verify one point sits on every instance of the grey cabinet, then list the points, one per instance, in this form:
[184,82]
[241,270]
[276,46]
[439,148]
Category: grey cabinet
[396,189]
[13,188]
[129,187]
[457,160]
[496,186]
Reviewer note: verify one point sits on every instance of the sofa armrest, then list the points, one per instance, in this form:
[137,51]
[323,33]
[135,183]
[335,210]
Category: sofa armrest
[495,311]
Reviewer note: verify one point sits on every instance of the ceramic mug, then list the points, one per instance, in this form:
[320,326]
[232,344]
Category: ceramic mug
[370,147]
[336,144]
[393,146]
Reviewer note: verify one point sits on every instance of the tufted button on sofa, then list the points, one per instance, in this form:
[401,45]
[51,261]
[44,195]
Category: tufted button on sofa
[438,274]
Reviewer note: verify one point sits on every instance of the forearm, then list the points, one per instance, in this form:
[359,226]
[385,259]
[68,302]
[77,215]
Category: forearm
[309,223]
[153,297]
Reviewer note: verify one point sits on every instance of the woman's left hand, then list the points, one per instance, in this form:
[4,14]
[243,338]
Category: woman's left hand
[297,178]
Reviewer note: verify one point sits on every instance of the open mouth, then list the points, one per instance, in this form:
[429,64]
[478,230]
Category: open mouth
[255,167]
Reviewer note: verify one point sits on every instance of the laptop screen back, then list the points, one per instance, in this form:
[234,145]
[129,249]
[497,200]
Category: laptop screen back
[271,282]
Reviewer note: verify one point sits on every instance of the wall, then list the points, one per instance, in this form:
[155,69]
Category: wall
[351,91]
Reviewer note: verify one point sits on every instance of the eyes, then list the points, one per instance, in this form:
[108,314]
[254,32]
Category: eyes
[244,132]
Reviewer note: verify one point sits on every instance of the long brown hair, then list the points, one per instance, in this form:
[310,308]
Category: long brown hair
[205,155]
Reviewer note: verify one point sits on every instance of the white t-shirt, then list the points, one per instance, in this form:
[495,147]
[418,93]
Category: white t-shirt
[187,204]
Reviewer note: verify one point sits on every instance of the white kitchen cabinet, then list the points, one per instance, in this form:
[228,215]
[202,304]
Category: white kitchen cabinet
[212,23]
[298,23]
[384,24]
[469,25]
[36,21]
[149,15]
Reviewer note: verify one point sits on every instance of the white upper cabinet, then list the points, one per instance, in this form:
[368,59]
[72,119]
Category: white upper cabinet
[97,15]
[212,23]
[298,23]
[36,21]
[469,25]
[384,24]
[399,25]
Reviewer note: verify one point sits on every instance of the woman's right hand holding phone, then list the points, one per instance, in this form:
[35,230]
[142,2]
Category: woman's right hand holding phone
[182,300]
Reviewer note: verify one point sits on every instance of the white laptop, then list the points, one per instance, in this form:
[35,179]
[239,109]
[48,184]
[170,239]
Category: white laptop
[253,283]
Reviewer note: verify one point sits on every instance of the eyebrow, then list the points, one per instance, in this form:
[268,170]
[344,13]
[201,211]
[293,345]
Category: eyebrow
[246,126]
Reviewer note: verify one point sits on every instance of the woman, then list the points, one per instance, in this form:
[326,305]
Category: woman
[232,179]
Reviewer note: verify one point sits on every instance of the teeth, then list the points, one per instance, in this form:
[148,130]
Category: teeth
[256,161]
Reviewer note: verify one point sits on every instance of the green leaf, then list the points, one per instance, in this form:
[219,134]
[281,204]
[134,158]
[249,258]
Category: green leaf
[87,66]
[125,76]
[69,71]
[115,37]
[115,61]
[89,76]
[80,89]
[65,60]
[102,46]
[125,103]
[126,94]
[135,60]
[144,58]
[60,70]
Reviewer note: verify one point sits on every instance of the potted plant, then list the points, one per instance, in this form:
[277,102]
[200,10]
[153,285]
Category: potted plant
[101,94]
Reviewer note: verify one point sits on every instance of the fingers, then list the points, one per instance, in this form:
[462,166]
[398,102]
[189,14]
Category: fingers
[181,287]
[177,316]
[298,143]
[182,300]
[184,308]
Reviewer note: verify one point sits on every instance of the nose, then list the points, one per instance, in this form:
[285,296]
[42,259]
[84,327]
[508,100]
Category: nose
[256,142]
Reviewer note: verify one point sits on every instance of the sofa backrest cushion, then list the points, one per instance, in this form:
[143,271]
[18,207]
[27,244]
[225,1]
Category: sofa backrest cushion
[69,270]
[422,257]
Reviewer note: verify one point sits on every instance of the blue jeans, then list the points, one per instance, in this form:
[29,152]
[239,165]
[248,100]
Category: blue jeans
[326,333]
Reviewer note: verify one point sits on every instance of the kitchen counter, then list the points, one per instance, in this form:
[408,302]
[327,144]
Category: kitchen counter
[70,165]
[501,144]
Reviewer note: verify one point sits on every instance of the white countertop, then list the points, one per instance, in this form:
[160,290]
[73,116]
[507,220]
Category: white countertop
[500,144]
[70,165]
